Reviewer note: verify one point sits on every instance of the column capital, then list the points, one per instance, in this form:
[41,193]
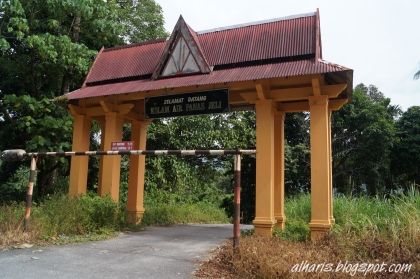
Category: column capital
[280,113]
[318,100]
[76,110]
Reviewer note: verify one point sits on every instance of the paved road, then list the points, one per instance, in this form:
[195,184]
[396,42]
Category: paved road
[157,252]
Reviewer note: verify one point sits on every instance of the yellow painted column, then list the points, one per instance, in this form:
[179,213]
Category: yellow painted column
[264,207]
[331,200]
[279,169]
[111,165]
[135,209]
[79,164]
[320,165]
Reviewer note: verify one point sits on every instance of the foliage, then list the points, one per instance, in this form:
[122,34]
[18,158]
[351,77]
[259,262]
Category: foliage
[35,125]
[195,179]
[142,20]
[87,214]
[46,49]
[417,75]
[406,154]
[363,137]
[395,218]
[15,187]
[297,150]
[167,214]
[59,217]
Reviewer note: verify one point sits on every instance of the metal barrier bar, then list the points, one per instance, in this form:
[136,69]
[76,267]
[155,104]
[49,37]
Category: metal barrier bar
[19,154]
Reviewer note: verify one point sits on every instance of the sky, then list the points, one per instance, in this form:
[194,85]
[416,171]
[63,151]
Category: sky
[379,40]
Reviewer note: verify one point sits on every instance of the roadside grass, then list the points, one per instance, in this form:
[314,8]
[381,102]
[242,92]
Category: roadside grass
[169,214]
[366,230]
[60,219]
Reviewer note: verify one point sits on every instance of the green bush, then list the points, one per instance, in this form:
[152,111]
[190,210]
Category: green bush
[87,214]
[15,187]
[172,213]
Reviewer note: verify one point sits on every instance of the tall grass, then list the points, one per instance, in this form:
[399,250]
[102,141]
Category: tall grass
[172,213]
[366,230]
[59,217]
[390,218]
[63,219]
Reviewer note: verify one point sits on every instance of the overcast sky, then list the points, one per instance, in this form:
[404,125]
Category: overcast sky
[379,40]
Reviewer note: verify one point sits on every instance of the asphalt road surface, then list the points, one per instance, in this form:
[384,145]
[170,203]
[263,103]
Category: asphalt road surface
[157,252]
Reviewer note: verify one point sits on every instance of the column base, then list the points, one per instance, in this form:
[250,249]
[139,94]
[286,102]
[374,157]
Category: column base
[280,222]
[134,217]
[332,220]
[319,230]
[264,227]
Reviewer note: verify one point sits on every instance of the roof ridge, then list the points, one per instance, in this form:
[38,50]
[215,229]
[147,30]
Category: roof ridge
[259,22]
[148,42]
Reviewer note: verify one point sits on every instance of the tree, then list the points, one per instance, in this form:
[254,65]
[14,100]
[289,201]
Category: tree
[417,75]
[406,154]
[297,153]
[142,21]
[363,137]
[46,49]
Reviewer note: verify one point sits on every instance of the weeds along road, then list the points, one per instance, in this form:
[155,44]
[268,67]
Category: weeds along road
[156,252]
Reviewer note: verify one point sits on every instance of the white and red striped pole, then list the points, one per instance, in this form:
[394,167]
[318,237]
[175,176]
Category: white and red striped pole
[32,179]
[237,201]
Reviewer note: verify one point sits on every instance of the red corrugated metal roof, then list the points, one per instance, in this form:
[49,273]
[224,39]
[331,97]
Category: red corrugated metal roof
[285,69]
[274,48]
[124,62]
[280,38]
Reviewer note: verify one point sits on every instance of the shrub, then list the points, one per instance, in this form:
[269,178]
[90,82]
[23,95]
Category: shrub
[172,213]
[87,214]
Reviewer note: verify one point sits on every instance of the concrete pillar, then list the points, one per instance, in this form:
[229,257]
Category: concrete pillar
[135,197]
[330,169]
[279,169]
[111,165]
[79,164]
[264,208]
[320,164]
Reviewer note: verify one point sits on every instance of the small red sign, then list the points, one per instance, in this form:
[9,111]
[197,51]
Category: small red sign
[122,145]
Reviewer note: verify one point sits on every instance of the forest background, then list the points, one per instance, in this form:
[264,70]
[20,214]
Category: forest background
[46,49]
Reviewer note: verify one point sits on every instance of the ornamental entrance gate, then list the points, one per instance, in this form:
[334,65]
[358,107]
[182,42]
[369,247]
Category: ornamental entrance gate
[272,66]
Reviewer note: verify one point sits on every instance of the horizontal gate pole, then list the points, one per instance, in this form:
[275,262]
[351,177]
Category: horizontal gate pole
[19,154]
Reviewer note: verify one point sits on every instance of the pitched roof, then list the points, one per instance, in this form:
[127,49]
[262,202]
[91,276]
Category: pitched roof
[274,48]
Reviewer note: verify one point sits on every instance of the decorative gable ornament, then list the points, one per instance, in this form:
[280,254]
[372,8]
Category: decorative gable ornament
[182,54]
